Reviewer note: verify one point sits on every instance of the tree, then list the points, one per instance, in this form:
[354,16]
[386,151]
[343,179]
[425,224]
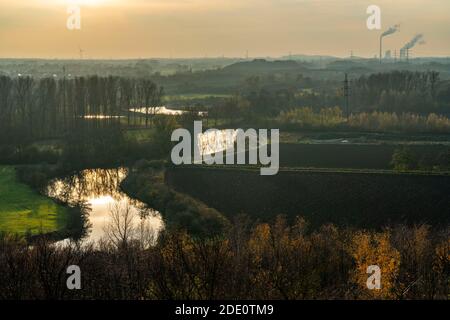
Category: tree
[403,160]
[375,249]
[121,228]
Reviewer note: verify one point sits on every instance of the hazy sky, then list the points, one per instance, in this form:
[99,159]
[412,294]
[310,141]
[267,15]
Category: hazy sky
[199,28]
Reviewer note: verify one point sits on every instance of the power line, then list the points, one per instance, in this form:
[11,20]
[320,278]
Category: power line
[346,95]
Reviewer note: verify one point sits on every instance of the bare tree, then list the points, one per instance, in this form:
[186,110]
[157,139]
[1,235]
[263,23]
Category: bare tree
[145,234]
[120,230]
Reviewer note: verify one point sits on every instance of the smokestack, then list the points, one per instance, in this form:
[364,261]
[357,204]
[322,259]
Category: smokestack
[388,32]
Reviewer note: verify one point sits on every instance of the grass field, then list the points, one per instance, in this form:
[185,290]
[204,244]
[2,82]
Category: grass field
[140,135]
[24,210]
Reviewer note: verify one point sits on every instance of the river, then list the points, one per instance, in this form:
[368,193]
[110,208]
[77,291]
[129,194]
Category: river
[109,209]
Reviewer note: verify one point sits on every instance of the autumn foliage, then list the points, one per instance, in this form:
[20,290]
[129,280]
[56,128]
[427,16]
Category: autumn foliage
[262,261]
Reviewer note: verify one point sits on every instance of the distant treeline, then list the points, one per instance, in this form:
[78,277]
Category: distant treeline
[334,118]
[398,92]
[33,109]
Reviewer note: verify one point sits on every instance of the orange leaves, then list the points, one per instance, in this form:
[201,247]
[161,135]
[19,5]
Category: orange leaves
[442,257]
[375,249]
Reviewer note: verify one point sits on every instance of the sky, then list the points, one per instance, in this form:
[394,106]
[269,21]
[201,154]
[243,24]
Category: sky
[121,29]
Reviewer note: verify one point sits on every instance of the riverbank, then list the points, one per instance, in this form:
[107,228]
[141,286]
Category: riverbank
[146,183]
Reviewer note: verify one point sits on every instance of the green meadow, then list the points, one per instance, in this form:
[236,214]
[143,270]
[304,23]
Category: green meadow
[23,210]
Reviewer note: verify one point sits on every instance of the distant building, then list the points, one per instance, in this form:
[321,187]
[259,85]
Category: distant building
[388,55]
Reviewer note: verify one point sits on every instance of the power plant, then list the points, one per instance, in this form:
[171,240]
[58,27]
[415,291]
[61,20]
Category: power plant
[405,51]
[388,32]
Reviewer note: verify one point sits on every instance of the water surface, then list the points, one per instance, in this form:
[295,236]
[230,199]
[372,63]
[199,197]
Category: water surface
[109,209]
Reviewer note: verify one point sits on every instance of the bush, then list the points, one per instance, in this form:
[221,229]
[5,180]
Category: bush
[145,164]
[403,160]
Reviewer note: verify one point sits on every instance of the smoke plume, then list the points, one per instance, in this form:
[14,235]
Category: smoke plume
[390,31]
[413,42]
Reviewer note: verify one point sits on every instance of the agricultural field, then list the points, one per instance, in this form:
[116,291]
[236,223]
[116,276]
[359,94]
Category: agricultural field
[364,199]
[23,210]
[321,136]
[357,156]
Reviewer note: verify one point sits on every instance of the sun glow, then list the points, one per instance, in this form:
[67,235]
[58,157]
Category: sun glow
[103,200]
[87,2]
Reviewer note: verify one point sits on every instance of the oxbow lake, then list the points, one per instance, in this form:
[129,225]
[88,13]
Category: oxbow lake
[99,190]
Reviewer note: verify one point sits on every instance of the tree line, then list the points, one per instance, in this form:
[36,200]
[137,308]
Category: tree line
[333,118]
[399,91]
[32,109]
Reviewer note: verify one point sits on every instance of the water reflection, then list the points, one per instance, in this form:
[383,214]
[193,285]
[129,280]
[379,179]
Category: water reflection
[164,110]
[99,191]
[211,142]
[215,140]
